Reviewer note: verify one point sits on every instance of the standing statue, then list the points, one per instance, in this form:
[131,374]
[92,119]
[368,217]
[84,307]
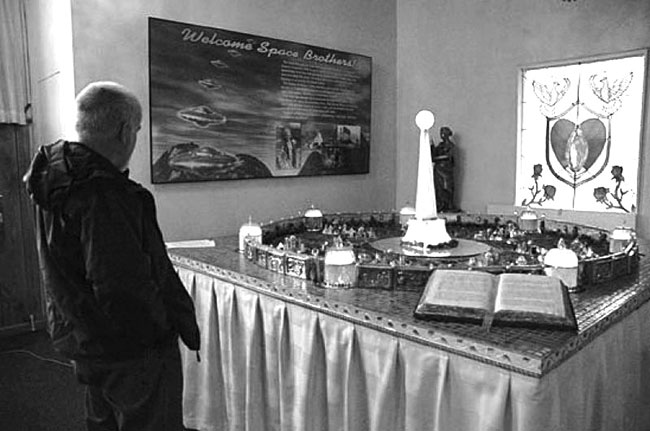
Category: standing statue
[442,156]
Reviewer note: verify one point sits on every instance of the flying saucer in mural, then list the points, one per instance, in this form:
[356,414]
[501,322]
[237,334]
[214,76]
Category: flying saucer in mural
[204,159]
[191,162]
[219,64]
[202,116]
[210,84]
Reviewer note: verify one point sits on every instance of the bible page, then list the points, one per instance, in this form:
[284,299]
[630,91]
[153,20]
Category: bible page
[530,293]
[457,288]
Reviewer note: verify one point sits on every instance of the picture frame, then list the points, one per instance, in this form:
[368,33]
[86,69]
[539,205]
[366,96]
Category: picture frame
[226,105]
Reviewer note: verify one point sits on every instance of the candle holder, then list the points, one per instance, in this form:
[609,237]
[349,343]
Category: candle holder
[620,238]
[562,263]
[406,214]
[313,220]
[249,232]
[340,267]
[528,220]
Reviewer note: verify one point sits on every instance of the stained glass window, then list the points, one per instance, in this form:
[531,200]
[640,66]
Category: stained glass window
[579,134]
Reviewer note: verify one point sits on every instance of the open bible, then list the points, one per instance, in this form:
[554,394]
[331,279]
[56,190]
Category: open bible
[536,301]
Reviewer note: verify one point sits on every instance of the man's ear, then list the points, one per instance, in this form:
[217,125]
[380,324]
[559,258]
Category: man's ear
[125,132]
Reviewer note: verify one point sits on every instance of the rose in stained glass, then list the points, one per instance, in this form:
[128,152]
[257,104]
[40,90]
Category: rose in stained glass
[549,192]
[617,173]
[600,193]
[537,171]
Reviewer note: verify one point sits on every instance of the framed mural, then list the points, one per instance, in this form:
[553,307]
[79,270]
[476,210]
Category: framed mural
[580,129]
[227,105]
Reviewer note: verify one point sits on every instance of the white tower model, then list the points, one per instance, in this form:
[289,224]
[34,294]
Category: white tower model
[426,229]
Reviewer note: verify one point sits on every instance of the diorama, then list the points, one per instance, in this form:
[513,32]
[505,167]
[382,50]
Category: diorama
[580,128]
[226,105]
[495,244]
[401,250]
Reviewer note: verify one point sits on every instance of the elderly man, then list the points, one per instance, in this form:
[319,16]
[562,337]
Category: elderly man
[115,305]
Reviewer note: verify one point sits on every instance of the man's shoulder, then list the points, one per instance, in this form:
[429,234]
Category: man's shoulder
[104,190]
[99,182]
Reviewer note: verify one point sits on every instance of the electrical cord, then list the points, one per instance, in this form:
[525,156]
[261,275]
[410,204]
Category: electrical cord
[40,358]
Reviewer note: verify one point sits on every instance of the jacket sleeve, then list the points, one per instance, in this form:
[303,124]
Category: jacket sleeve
[178,303]
[118,268]
[180,307]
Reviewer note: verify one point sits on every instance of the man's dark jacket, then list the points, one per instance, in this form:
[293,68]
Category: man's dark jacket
[111,290]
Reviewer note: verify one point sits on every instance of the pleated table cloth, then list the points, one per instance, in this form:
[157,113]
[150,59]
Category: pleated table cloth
[268,362]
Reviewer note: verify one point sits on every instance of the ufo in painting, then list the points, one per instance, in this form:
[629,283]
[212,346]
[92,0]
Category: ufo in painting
[201,116]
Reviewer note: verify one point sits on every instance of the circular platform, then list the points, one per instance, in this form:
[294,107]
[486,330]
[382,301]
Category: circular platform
[466,248]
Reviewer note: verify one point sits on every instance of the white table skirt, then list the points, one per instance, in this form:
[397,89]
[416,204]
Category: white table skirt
[269,365]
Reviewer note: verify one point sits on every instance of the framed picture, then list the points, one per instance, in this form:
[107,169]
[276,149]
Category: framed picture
[580,129]
[226,105]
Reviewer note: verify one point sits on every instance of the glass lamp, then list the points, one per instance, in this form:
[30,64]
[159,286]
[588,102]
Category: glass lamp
[620,238]
[251,231]
[406,214]
[313,220]
[340,267]
[562,263]
[528,220]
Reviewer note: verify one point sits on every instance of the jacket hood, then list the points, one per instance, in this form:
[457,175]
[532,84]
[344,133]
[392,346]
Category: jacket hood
[56,168]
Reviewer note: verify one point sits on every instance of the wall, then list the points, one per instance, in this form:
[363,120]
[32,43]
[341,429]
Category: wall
[460,58]
[110,42]
[51,69]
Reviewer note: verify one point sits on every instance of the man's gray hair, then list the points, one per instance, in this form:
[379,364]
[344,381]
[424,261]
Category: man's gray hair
[103,108]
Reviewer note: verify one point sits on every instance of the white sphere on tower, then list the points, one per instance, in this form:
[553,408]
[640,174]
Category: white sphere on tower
[424,119]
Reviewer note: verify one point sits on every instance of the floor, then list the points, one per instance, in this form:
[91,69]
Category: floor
[38,391]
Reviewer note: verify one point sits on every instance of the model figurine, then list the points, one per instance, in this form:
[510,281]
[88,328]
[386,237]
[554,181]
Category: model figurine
[442,156]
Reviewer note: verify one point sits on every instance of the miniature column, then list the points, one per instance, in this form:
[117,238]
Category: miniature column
[425,197]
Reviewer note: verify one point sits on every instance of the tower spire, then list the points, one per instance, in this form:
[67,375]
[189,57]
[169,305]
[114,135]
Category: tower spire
[425,196]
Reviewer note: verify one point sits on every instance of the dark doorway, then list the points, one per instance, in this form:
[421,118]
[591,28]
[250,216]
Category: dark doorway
[20,299]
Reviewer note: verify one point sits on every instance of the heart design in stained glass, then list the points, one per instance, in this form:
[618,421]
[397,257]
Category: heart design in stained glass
[578,147]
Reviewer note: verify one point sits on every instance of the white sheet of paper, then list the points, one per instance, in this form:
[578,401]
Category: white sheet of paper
[197,243]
